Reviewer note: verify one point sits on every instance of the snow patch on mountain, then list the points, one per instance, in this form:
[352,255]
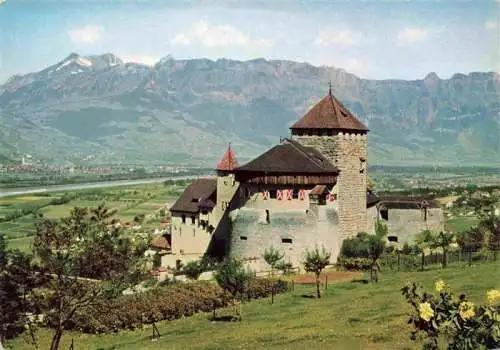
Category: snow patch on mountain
[64,64]
[82,61]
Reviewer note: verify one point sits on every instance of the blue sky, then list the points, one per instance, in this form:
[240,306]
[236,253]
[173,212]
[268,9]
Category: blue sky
[373,39]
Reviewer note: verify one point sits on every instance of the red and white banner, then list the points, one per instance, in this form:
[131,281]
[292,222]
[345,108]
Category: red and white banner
[265,195]
[302,195]
[279,195]
[331,197]
[289,194]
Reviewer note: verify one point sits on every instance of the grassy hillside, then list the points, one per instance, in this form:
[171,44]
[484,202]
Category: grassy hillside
[350,315]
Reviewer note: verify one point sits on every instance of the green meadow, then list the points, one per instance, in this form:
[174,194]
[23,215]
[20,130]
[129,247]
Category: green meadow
[350,315]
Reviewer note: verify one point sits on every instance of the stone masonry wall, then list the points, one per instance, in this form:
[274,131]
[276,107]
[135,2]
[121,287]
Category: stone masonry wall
[406,223]
[188,237]
[291,231]
[345,151]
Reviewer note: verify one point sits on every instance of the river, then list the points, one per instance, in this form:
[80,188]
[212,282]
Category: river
[69,187]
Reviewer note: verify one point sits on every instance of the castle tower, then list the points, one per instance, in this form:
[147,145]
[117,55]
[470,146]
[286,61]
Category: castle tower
[226,184]
[342,139]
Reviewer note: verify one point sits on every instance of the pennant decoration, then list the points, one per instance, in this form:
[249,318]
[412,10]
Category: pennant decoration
[332,196]
[289,195]
[302,195]
[265,195]
[279,195]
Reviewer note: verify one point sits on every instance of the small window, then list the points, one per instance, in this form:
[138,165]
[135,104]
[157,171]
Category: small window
[384,214]
[392,239]
[183,219]
[286,240]
[243,238]
[193,220]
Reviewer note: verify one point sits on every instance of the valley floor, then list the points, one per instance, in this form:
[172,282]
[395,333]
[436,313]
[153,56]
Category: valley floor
[351,315]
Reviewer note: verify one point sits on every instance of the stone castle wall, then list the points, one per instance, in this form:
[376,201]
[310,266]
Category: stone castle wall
[407,223]
[291,231]
[345,151]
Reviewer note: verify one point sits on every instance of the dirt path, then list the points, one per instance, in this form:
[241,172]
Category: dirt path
[331,276]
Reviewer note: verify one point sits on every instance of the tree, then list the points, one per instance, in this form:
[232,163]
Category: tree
[193,269]
[17,279]
[443,240]
[232,276]
[376,247]
[425,239]
[87,258]
[272,257]
[315,261]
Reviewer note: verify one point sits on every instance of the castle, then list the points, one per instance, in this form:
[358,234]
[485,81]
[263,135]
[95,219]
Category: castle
[310,189]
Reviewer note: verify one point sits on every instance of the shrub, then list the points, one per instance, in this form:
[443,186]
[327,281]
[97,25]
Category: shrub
[355,247]
[354,264]
[457,321]
[192,269]
[168,302]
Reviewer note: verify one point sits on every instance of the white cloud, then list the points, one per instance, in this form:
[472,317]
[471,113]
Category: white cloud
[330,36]
[356,65]
[88,34]
[148,60]
[491,24]
[210,35]
[411,34]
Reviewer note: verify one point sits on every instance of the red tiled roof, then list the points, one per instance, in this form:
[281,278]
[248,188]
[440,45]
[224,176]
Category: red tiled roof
[319,190]
[160,242]
[329,113]
[290,157]
[228,162]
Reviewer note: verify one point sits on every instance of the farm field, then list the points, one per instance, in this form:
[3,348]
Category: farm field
[461,223]
[350,315]
[18,214]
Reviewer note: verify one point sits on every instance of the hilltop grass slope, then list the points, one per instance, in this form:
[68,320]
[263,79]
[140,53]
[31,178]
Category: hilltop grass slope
[186,111]
[349,316]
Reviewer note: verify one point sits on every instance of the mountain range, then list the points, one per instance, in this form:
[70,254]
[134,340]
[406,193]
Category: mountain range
[101,110]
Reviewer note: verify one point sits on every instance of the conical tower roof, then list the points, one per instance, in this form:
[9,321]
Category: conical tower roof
[329,113]
[228,161]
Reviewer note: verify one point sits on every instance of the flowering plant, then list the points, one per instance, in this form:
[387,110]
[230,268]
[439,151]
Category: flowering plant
[441,316]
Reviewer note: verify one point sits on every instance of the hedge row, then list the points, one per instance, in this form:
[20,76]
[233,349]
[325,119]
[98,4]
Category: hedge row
[354,264]
[162,303]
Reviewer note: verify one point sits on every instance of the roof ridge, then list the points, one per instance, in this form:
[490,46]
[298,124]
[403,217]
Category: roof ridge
[336,106]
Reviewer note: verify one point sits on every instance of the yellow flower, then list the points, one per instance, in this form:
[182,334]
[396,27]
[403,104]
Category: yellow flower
[466,310]
[426,311]
[439,285]
[493,296]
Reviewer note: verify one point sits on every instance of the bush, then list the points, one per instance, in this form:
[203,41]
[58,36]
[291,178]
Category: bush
[354,264]
[168,302]
[355,247]
[455,320]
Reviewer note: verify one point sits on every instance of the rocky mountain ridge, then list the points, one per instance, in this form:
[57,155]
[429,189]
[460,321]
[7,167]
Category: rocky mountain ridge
[102,109]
